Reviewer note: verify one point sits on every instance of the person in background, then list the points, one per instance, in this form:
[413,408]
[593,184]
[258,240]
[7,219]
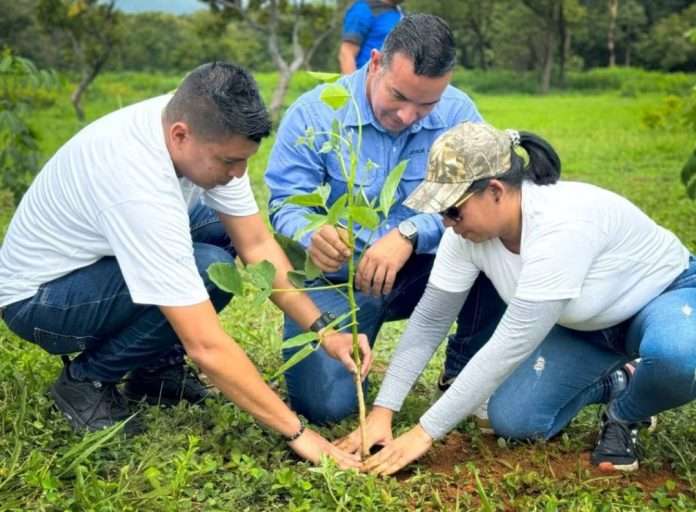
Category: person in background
[590,283]
[365,27]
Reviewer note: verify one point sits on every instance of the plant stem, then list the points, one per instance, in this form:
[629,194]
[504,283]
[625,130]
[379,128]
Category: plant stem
[356,347]
[330,287]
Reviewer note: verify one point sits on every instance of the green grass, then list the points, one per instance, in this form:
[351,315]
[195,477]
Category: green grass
[217,458]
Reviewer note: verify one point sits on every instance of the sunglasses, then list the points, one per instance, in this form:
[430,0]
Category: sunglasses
[452,213]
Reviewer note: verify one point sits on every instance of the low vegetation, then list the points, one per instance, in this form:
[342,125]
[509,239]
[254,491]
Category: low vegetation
[216,458]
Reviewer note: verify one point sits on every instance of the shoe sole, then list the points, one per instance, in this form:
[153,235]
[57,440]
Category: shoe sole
[610,467]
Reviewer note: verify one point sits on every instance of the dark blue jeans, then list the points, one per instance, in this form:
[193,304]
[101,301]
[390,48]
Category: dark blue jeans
[567,370]
[322,389]
[90,311]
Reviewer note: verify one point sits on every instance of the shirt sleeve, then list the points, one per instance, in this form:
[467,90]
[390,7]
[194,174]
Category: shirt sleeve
[152,244]
[356,23]
[236,198]
[521,330]
[453,269]
[426,328]
[292,169]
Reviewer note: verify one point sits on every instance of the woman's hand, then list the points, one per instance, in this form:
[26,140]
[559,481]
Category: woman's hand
[378,431]
[400,452]
[311,446]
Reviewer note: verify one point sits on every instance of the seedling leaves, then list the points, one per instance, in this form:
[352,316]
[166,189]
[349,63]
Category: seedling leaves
[227,277]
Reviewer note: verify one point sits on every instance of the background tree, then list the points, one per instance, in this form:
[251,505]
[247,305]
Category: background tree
[613,13]
[293,30]
[665,47]
[93,29]
[20,80]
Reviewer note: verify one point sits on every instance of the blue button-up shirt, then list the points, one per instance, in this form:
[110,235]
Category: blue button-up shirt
[296,169]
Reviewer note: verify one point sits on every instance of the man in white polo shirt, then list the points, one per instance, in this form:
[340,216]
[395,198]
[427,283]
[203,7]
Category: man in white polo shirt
[107,254]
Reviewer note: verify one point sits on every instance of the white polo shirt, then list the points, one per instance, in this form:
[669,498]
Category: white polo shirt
[112,190]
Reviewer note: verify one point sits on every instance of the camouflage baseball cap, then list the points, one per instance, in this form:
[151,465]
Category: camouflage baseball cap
[463,154]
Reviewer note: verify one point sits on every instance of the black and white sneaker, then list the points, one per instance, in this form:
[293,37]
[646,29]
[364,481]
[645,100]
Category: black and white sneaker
[91,405]
[617,447]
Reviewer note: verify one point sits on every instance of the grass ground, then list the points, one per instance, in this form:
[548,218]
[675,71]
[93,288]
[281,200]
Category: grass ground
[217,458]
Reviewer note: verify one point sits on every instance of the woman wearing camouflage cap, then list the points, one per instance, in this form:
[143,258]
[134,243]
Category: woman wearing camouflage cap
[590,283]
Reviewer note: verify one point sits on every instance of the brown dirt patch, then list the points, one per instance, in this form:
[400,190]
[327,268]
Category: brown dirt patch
[494,462]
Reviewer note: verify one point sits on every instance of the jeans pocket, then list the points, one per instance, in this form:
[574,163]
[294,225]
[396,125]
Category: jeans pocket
[55,343]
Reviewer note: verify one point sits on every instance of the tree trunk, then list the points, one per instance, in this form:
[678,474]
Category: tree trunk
[611,34]
[563,35]
[627,55]
[279,94]
[88,76]
[548,63]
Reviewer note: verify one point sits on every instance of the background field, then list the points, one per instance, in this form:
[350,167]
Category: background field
[217,458]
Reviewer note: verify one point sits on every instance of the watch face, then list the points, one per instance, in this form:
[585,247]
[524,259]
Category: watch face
[408,229]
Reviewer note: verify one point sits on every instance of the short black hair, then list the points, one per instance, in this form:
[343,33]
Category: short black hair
[219,99]
[427,40]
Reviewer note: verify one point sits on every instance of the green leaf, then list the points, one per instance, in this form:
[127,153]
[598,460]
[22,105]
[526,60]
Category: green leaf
[335,96]
[691,190]
[365,216]
[311,269]
[315,222]
[293,250]
[226,276]
[371,166]
[326,147]
[297,278]
[323,76]
[386,195]
[311,199]
[688,176]
[324,191]
[296,358]
[300,339]
[337,210]
[262,274]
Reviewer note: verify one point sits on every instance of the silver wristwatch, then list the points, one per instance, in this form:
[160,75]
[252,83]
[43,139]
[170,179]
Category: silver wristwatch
[409,230]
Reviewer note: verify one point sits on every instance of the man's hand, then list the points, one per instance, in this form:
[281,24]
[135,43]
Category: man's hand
[378,431]
[311,446]
[339,345]
[328,248]
[397,454]
[381,262]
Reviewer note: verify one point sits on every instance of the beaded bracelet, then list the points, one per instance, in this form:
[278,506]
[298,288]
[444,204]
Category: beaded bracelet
[299,432]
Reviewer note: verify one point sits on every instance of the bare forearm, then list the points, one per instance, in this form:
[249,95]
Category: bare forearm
[346,57]
[231,371]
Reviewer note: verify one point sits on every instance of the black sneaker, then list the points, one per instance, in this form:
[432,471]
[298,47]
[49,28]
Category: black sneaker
[166,386]
[617,446]
[91,405]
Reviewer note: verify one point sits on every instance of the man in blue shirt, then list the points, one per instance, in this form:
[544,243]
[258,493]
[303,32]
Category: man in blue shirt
[405,101]
[365,26]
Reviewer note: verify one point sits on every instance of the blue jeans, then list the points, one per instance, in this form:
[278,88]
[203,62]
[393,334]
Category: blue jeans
[568,369]
[321,389]
[90,311]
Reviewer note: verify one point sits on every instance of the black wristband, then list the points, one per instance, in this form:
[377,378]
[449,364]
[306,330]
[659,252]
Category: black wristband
[299,432]
[320,323]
